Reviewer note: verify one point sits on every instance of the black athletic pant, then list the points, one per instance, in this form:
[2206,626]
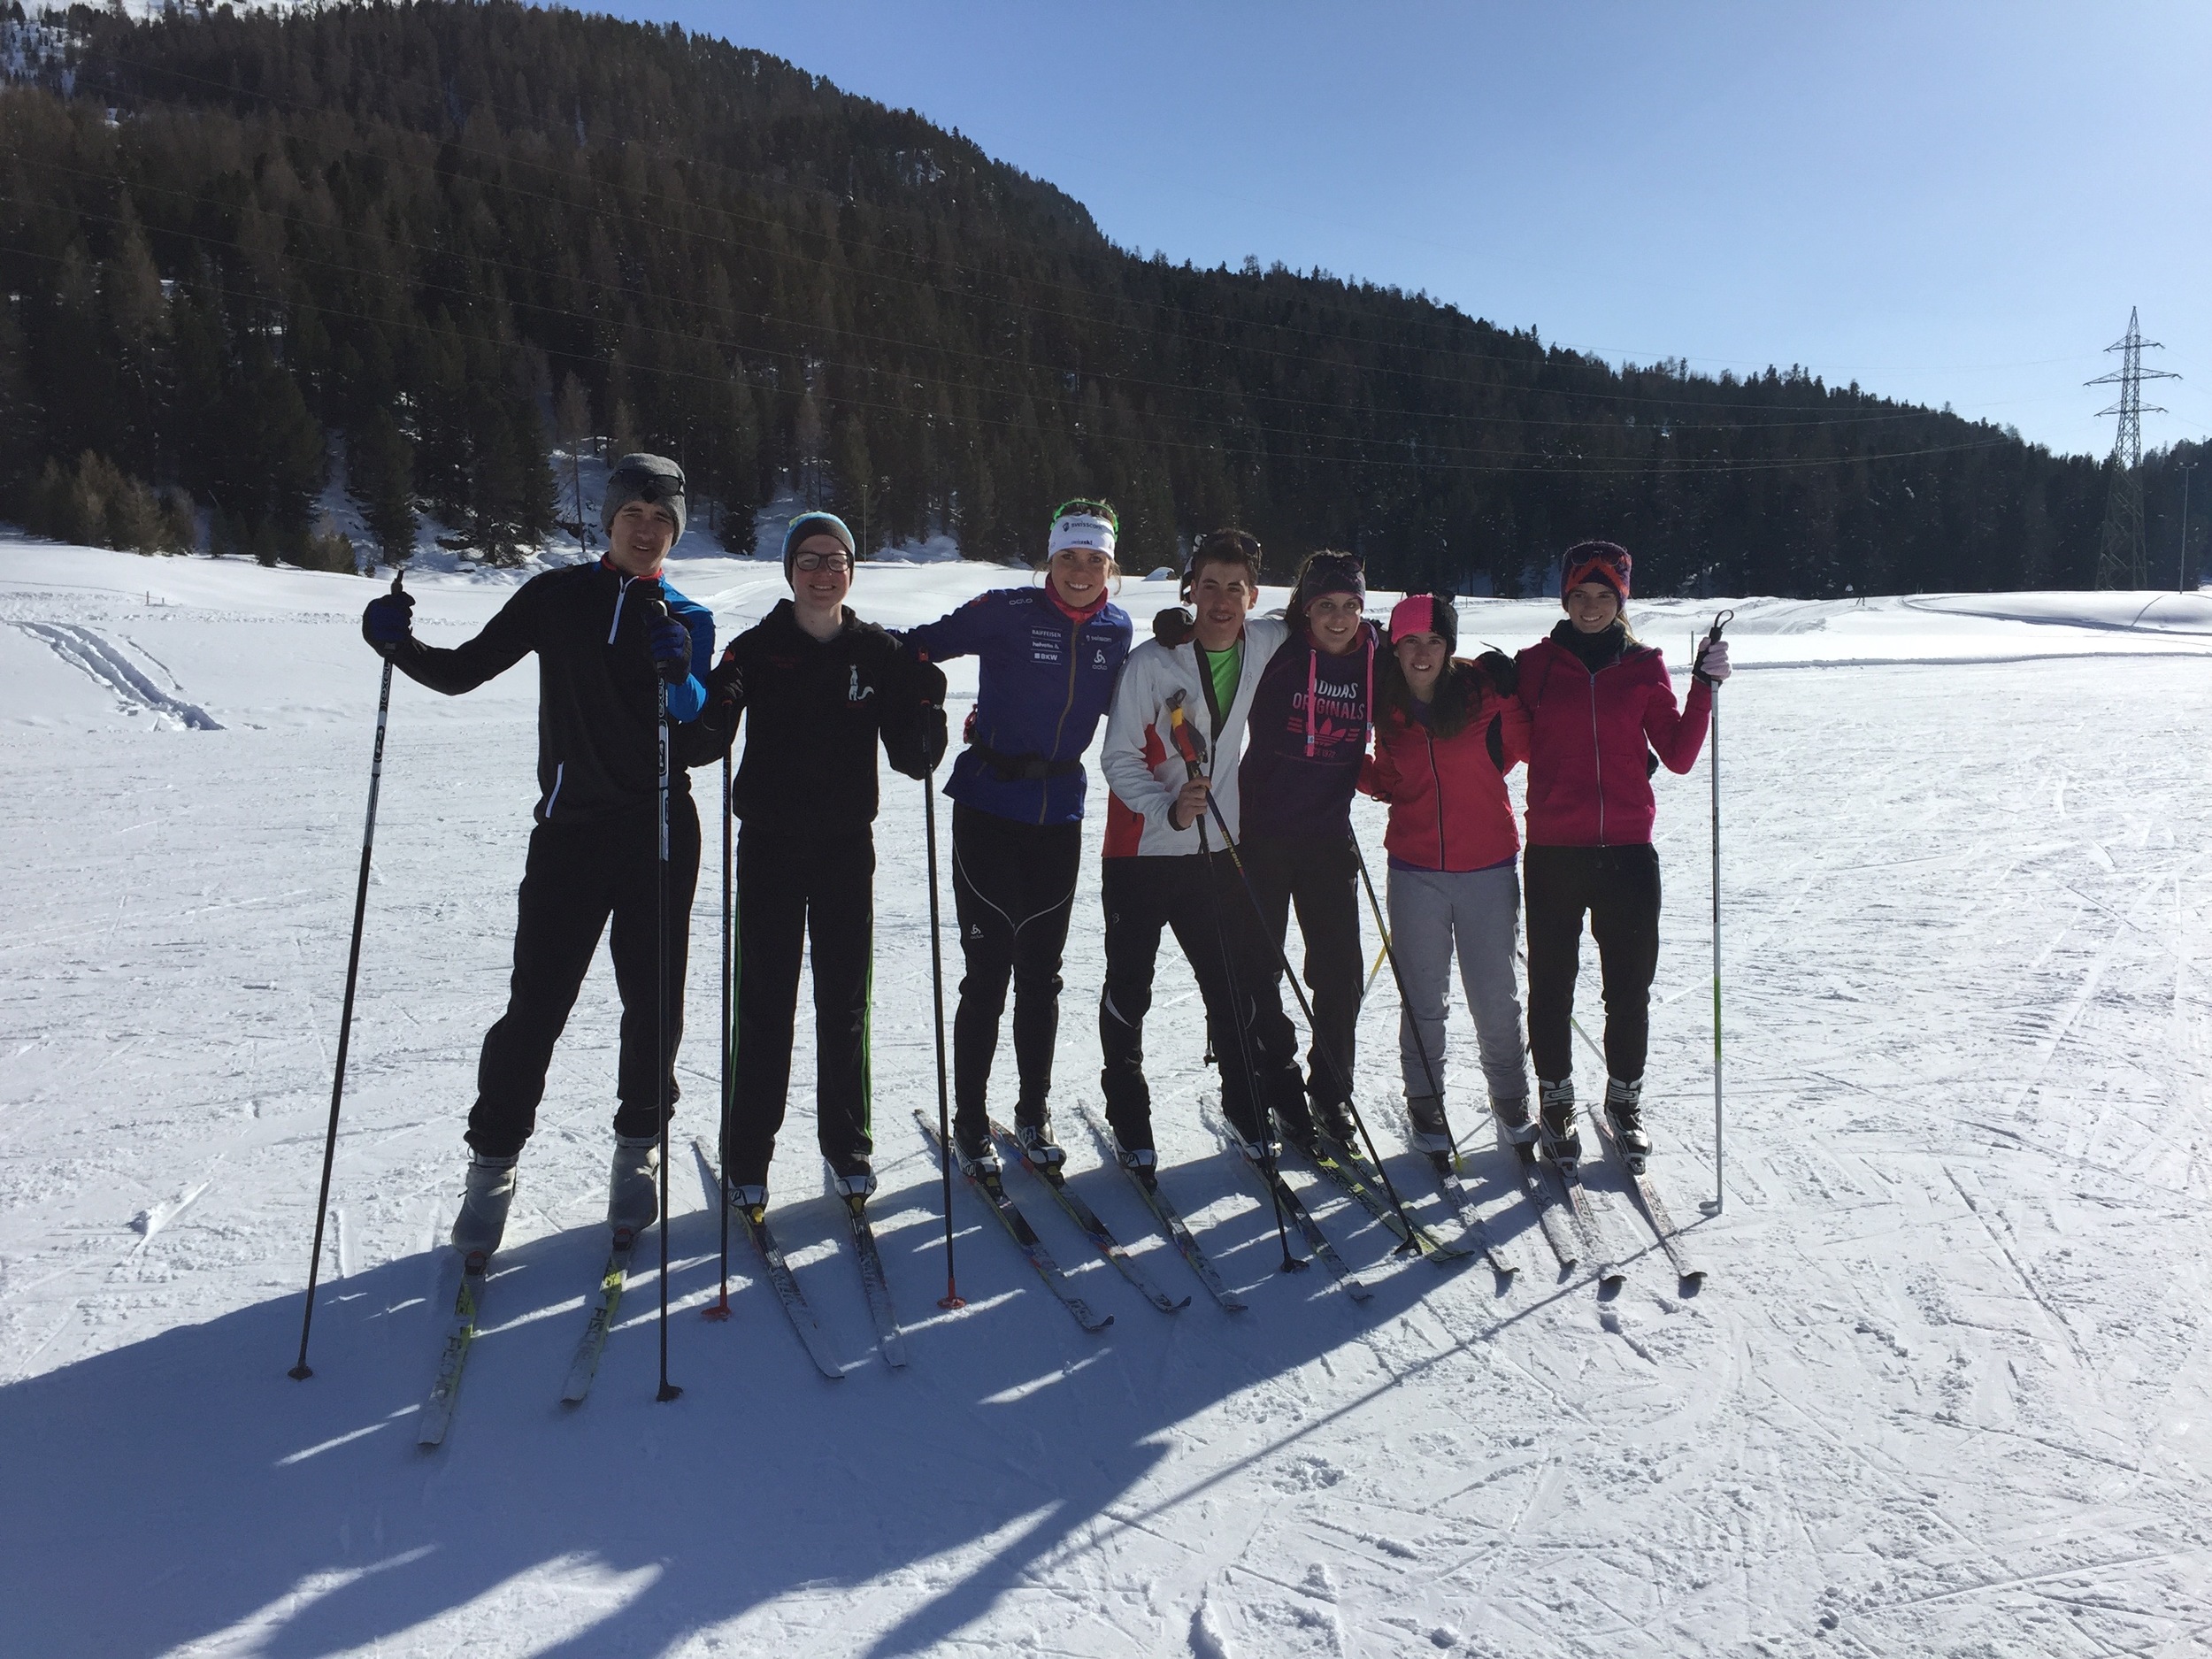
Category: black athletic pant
[1619,888]
[1143,895]
[577,876]
[1013,888]
[793,891]
[1320,877]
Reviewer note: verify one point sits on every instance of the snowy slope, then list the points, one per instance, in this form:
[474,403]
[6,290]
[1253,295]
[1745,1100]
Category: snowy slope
[1945,1391]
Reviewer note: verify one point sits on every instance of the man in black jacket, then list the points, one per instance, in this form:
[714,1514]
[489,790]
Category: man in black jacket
[603,634]
[818,688]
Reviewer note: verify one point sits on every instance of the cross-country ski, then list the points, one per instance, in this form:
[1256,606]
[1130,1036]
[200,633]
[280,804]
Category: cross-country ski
[593,1343]
[987,1186]
[453,1355]
[1176,1229]
[1084,1216]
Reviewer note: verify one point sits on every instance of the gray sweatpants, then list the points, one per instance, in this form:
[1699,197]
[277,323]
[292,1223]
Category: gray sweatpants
[1480,909]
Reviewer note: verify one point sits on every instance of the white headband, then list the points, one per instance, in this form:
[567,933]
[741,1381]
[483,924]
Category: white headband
[1082,530]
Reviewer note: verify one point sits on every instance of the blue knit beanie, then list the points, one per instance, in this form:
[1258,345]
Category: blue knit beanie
[809,524]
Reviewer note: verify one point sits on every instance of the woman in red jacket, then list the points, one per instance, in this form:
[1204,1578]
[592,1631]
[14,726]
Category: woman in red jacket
[1446,736]
[1602,718]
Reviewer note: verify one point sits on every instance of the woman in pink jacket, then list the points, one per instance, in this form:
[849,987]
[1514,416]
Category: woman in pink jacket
[1446,734]
[1602,718]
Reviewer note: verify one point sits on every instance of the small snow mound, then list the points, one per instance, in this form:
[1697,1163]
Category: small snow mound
[1205,1640]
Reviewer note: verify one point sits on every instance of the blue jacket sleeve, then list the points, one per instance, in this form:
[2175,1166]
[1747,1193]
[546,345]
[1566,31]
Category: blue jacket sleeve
[961,633]
[686,701]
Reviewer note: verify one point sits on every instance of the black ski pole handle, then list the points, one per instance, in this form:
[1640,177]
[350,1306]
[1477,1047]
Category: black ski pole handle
[1719,622]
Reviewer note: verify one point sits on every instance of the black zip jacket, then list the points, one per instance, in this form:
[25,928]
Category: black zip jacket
[814,711]
[597,757]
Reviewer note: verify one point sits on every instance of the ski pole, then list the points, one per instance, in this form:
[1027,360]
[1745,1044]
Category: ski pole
[1375,972]
[1187,745]
[1405,1001]
[663,1063]
[302,1371]
[1720,1191]
[952,1297]
[721,1308]
[1299,991]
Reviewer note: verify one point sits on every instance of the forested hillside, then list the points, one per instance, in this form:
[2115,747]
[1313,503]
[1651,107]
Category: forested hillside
[426,243]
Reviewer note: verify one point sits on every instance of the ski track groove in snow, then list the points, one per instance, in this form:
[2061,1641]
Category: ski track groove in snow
[1966,1040]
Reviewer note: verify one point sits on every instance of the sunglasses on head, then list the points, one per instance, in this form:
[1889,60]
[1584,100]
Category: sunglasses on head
[1085,507]
[647,487]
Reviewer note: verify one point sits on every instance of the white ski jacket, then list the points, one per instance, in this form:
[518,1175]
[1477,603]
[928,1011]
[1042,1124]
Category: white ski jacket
[1138,756]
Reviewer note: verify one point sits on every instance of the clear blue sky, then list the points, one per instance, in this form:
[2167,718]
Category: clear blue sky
[1947,203]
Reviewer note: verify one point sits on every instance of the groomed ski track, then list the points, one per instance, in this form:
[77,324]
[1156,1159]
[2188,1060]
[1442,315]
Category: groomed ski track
[1946,1390]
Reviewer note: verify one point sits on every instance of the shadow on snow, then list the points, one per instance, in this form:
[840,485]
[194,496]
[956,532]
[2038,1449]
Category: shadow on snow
[172,1489]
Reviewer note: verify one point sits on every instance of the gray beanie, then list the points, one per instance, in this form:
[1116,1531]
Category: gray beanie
[654,480]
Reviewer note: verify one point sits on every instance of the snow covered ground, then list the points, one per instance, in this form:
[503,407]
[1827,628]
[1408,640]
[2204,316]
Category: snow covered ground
[1948,1388]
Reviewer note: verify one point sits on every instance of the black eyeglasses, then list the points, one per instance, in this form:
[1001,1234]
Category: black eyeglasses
[821,561]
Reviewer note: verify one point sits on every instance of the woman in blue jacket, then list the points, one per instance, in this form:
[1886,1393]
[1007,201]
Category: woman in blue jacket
[1050,654]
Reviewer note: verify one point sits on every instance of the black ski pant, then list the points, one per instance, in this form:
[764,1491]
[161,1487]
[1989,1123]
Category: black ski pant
[1013,888]
[1319,875]
[1202,902]
[577,877]
[793,891]
[1619,888]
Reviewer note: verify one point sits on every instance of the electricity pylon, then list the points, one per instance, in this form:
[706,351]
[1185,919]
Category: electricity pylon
[2120,558]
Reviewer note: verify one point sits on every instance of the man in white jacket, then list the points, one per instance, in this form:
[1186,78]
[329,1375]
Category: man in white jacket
[1164,864]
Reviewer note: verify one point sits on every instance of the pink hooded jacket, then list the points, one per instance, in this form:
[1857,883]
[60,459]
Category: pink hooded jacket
[1589,784]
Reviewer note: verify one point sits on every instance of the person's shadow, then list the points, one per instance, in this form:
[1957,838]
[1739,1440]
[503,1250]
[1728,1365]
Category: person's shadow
[183,1487]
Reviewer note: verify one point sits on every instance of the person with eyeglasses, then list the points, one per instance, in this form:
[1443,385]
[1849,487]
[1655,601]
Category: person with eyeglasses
[1602,719]
[603,633]
[818,689]
[1049,655]
[1170,754]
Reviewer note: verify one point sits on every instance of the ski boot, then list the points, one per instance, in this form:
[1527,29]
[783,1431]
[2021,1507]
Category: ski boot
[853,1178]
[1511,1111]
[972,1147]
[477,1230]
[1562,1141]
[1036,1140]
[1294,1120]
[745,1185]
[633,1197]
[1332,1118]
[1625,1110]
[1431,1134]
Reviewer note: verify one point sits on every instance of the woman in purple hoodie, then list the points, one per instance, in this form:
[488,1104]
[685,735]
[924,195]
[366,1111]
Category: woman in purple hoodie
[1311,713]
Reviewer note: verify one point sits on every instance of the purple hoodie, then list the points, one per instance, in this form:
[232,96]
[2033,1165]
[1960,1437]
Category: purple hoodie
[1310,716]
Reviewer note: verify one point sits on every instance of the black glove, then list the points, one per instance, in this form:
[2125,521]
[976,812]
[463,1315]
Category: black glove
[930,681]
[670,641]
[1504,673]
[389,622]
[1173,626]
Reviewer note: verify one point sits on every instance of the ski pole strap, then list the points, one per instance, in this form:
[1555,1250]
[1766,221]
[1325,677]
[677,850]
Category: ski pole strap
[1185,740]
